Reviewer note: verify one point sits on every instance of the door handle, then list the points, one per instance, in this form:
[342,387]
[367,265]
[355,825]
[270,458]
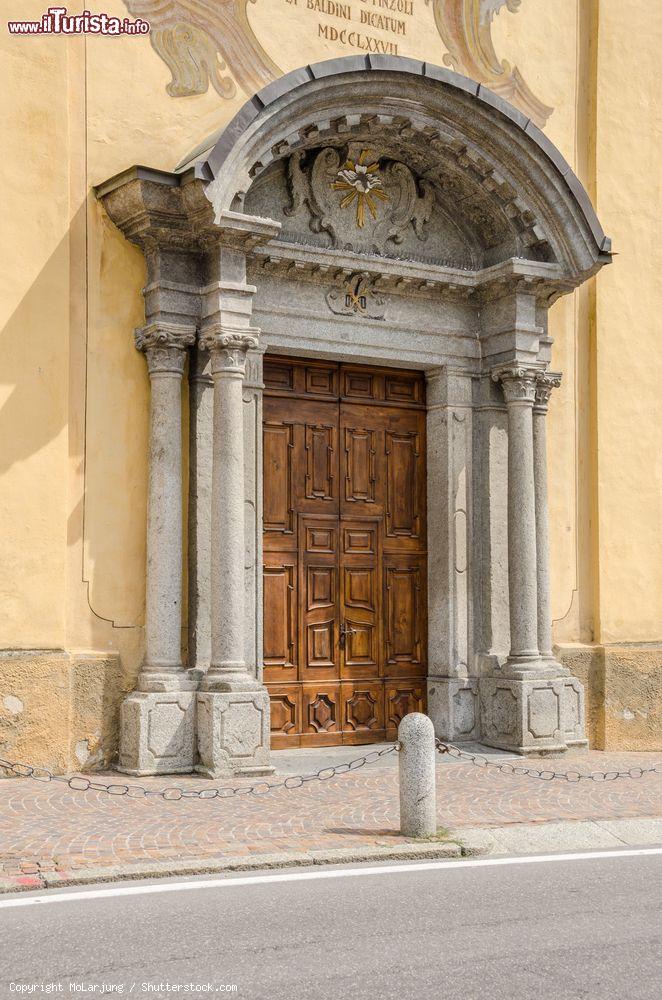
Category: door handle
[345,630]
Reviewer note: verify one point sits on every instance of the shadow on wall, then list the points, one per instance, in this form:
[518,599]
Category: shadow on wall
[74,425]
[85,379]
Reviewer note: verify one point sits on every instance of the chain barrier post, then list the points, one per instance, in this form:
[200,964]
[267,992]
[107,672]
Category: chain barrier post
[418,806]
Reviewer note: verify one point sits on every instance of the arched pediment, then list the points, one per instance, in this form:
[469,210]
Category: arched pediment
[465,179]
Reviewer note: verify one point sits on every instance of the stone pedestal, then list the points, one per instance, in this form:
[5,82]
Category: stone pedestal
[533,716]
[454,707]
[157,733]
[233,733]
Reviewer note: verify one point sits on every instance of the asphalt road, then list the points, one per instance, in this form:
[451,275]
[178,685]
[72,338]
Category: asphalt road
[587,928]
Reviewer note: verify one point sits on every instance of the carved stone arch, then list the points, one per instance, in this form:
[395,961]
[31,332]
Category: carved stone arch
[454,130]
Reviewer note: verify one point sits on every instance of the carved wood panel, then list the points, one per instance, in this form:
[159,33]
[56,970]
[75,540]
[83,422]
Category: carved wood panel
[278,449]
[345,563]
[405,616]
[280,616]
[285,716]
[402,483]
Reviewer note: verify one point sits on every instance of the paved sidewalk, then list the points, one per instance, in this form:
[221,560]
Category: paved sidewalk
[48,828]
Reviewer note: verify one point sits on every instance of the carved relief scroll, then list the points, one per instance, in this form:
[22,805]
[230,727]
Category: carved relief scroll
[199,41]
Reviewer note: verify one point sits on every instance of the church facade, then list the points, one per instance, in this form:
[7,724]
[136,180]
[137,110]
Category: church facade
[330,429]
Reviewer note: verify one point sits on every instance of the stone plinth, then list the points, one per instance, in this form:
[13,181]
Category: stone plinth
[157,733]
[233,733]
[530,716]
[454,707]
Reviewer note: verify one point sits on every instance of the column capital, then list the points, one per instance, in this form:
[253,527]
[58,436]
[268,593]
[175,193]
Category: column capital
[228,349]
[164,345]
[518,382]
[545,382]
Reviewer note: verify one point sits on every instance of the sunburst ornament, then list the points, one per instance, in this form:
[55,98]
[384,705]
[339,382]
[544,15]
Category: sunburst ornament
[361,184]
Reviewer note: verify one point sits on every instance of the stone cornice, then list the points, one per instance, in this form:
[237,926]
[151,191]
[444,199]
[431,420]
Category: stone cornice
[408,278]
[157,210]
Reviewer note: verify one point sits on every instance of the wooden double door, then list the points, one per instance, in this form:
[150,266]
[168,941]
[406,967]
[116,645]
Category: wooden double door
[345,606]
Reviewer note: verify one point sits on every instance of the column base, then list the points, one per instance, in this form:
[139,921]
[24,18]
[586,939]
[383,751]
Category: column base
[229,681]
[454,707]
[179,679]
[157,733]
[233,733]
[533,716]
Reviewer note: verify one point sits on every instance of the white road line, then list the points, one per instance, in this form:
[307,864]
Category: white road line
[323,873]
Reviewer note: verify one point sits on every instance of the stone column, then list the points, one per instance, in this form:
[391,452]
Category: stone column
[528,705]
[233,707]
[544,385]
[199,510]
[157,720]
[519,387]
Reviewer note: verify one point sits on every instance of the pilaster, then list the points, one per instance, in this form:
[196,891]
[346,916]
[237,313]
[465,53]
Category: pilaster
[452,693]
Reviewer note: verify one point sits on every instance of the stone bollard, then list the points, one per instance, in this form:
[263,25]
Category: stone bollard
[418,810]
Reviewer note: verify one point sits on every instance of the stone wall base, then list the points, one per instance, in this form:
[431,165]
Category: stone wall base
[157,733]
[454,707]
[233,733]
[59,709]
[623,693]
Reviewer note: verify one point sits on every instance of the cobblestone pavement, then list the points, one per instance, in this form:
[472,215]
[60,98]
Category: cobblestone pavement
[48,827]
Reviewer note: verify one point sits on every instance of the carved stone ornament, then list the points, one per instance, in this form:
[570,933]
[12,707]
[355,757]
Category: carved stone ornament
[199,41]
[544,385]
[164,346]
[227,350]
[356,297]
[465,27]
[518,382]
[357,197]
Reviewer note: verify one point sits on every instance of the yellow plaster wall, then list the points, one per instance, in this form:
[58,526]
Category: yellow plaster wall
[33,342]
[75,392]
[629,324]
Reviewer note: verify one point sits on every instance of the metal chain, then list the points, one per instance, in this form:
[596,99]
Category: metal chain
[545,775]
[173,793]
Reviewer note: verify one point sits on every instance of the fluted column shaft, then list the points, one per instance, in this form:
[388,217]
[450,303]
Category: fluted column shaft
[228,671]
[519,390]
[165,349]
[544,385]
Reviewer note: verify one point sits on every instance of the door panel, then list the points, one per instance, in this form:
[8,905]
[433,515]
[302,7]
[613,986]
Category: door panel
[360,638]
[319,604]
[280,617]
[278,447]
[404,616]
[344,542]
[320,724]
[363,712]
